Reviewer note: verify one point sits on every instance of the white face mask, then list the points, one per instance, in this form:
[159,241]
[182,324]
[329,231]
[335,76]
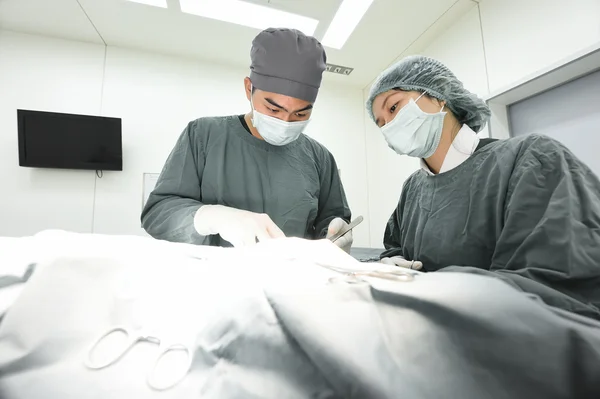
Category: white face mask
[275,131]
[414,132]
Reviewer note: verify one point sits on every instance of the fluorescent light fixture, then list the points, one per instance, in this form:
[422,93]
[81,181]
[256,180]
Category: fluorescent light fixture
[345,21]
[155,3]
[247,14]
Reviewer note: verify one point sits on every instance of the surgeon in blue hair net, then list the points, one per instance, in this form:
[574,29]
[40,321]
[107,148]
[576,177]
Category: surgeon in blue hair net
[524,209]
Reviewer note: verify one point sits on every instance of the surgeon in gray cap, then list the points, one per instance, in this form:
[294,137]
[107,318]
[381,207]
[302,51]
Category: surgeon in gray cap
[237,179]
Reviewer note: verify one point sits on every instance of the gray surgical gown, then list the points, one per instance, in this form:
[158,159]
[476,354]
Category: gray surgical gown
[217,161]
[525,210]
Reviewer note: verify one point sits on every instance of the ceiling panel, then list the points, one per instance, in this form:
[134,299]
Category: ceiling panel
[169,31]
[386,31]
[318,9]
[58,18]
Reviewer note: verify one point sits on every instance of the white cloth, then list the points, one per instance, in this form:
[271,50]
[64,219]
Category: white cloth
[464,145]
[15,257]
[268,322]
[16,254]
[200,296]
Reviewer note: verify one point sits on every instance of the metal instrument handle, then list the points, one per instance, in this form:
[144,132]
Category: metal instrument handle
[343,232]
[152,379]
[131,341]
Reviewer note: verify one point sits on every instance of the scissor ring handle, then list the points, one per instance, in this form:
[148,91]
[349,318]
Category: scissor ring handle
[95,366]
[172,348]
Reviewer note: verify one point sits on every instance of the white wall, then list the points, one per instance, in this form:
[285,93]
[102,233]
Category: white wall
[155,96]
[524,36]
[461,49]
[496,44]
[44,74]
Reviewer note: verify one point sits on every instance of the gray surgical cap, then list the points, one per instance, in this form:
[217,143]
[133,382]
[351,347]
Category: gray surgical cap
[286,61]
[424,74]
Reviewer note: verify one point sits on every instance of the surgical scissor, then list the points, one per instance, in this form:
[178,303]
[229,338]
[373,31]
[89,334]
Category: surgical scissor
[134,336]
[345,230]
[354,276]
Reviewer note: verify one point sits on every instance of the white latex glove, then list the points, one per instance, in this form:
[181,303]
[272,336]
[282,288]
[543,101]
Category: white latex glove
[344,242]
[401,262]
[239,227]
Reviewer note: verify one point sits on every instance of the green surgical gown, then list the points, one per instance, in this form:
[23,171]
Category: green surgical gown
[525,210]
[217,161]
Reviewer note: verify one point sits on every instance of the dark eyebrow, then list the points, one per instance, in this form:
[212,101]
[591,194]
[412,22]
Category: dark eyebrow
[273,103]
[308,107]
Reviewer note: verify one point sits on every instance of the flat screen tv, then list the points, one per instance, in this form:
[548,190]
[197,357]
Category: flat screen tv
[68,141]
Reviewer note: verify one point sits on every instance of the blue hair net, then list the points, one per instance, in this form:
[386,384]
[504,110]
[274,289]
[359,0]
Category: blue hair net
[424,74]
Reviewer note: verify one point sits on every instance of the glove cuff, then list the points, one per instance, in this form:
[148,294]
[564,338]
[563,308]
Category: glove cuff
[204,219]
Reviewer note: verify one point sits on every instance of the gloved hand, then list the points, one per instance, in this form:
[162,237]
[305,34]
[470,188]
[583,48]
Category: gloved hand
[239,227]
[401,262]
[344,242]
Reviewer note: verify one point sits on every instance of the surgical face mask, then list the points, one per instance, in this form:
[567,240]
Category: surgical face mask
[275,131]
[413,132]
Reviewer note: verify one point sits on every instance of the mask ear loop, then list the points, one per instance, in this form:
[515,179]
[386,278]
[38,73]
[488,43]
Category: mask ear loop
[454,139]
[252,104]
[422,94]
[453,144]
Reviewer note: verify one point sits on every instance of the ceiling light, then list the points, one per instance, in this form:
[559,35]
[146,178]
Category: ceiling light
[345,21]
[248,14]
[155,3]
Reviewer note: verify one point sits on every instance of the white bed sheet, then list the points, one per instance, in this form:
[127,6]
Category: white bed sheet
[17,254]
[82,283]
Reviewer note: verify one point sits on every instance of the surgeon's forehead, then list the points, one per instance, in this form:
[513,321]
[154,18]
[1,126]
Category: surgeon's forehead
[277,95]
[380,99]
[284,100]
[394,94]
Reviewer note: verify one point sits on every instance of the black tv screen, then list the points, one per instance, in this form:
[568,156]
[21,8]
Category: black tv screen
[68,141]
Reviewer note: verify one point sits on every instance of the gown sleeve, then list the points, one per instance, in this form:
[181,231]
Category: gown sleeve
[549,244]
[170,209]
[392,238]
[332,197]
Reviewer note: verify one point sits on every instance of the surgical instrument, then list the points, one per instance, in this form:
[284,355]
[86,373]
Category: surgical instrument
[140,335]
[345,230]
[354,276]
